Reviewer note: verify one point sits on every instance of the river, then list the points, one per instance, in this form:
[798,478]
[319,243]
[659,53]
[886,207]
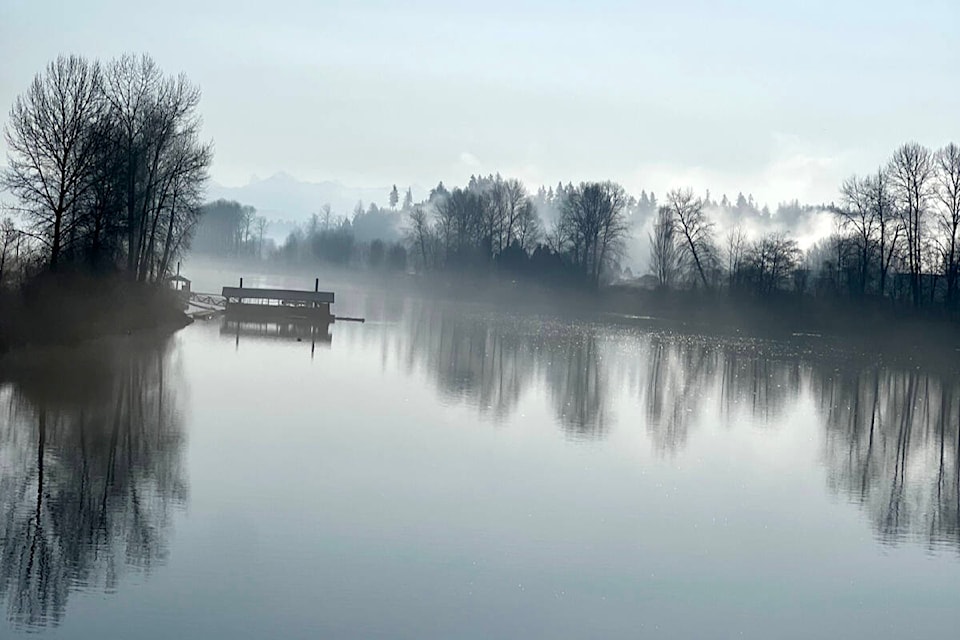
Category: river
[453,470]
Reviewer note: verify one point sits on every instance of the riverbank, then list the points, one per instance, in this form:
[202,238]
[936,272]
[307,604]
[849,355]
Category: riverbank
[67,309]
[871,324]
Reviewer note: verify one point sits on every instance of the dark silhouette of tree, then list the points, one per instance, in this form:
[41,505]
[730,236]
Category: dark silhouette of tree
[771,261]
[376,224]
[697,246]
[736,250]
[595,225]
[947,162]
[164,166]
[107,165]
[224,228]
[889,228]
[665,258]
[462,228]
[9,235]
[859,216]
[394,197]
[52,148]
[421,236]
[912,179]
[438,191]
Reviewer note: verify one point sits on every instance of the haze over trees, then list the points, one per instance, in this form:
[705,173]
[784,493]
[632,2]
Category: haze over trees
[896,238]
[229,229]
[106,166]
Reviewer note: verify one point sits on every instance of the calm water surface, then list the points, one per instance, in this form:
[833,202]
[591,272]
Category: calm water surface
[458,471]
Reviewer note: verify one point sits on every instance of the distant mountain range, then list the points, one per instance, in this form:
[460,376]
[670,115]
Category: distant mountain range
[284,197]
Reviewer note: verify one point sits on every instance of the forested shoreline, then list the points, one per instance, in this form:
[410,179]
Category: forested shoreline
[894,238]
[107,172]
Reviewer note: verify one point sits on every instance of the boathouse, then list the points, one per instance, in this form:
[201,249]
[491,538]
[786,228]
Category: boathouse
[267,304]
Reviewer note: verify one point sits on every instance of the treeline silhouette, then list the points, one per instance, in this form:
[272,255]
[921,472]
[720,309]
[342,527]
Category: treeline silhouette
[895,236]
[370,238]
[892,430]
[92,440]
[106,169]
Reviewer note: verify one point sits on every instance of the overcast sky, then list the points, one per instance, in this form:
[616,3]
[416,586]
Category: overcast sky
[781,99]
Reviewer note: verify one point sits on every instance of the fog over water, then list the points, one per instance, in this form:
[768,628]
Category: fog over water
[470,470]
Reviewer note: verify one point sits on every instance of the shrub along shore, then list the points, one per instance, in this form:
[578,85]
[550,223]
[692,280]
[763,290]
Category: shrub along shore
[69,308]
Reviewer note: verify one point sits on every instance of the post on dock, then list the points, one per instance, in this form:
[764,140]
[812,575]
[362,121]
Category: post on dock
[241,283]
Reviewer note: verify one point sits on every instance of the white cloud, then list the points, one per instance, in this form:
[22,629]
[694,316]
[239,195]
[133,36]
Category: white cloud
[796,170]
[469,160]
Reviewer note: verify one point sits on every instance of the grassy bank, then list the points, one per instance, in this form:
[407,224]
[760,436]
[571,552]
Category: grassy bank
[69,308]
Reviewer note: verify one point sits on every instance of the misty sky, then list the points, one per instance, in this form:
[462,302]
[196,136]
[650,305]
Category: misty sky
[781,99]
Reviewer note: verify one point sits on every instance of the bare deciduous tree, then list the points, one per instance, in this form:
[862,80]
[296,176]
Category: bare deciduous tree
[888,224]
[912,173]
[772,260]
[420,234]
[108,164]
[736,247]
[664,253]
[696,232]
[858,216]
[594,216]
[8,238]
[51,147]
[948,215]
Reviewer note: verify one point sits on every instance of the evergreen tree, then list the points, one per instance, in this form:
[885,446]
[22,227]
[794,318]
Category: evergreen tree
[394,197]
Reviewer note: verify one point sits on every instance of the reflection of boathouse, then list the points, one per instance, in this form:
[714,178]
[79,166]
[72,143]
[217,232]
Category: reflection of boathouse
[281,330]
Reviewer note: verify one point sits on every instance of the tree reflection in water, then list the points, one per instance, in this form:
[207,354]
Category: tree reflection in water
[891,432]
[91,469]
[892,446]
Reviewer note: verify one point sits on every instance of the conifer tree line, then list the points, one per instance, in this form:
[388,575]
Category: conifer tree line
[105,166]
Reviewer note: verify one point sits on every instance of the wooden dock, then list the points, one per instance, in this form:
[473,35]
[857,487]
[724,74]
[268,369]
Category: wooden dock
[265,305]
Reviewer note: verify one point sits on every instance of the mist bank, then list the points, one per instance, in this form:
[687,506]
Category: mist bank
[893,255]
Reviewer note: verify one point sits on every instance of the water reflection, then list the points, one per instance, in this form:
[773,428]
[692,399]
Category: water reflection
[91,469]
[892,446]
[312,333]
[891,432]
[491,360]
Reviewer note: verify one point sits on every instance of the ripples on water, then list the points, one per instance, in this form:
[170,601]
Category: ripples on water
[93,438]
